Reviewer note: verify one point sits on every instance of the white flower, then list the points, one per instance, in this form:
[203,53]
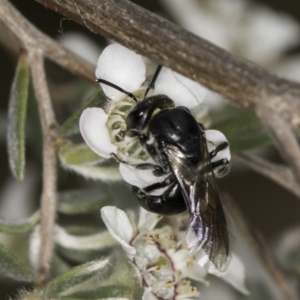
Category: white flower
[164,263]
[101,129]
[248,29]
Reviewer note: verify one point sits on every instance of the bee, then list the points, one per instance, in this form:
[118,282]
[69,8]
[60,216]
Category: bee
[186,159]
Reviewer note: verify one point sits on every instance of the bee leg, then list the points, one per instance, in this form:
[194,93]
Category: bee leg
[219,152]
[220,164]
[157,170]
[221,167]
[169,202]
[219,148]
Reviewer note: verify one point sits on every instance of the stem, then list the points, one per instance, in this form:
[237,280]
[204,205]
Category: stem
[29,37]
[48,197]
[278,173]
[257,244]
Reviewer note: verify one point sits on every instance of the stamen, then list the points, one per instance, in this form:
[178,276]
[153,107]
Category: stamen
[189,264]
[184,246]
[171,237]
[154,268]
[123,127]
[173,246]
[169,283]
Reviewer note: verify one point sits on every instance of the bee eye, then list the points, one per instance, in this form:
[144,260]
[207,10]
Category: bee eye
[135,118]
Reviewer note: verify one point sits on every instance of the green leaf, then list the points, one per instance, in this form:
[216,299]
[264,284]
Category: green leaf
[83,242]
[244,132]
[125,274]
[76,276]
[17,118]
[11,267]
[80,256]
[107,292]
[81,201]
[78,154]
[82,160]
[123,282]
[96,99]
[19,225]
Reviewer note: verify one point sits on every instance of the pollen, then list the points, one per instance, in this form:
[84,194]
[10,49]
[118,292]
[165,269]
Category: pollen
[150,242]
[169,283]
[123,126]
[189,264]
[184,246]
[150,237]
[171,237]
[173,246]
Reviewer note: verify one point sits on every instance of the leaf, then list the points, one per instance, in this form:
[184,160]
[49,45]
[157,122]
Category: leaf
[125,274]
[123,283]
[17,118]
[86,242]
[81,201]
[96,99]
[19,225]
[244,132]
[78,154]
[11,267]
[110,292]
[76,276]
[82,160]
[82,244]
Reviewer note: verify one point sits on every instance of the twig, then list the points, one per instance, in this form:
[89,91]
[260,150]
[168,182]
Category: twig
[280,174]
[48,198]
[257,244]
[29,37]
[285,140]
[243,82]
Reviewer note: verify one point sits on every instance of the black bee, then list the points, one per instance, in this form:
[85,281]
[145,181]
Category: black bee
[179,148]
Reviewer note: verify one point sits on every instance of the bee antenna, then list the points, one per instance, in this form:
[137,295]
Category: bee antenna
[152,82]
[117,88]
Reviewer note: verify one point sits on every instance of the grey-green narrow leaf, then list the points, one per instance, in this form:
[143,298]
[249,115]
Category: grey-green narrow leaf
[123,281]
[11,267]
[78,154]
[17,118]
[96,99]
[110,292]
[124,273]
[81,201]
[244,132]
[76,276]
[82,160]
[19,225]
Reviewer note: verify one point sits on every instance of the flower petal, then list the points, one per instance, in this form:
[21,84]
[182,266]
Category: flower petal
[140,178]
[147,220]
[121,67]
[94,132]
[119,227]
[148,295]
[182,90]
[235,275]
[182,260]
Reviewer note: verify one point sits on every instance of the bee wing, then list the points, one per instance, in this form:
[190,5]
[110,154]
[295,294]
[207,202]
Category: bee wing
[207,236]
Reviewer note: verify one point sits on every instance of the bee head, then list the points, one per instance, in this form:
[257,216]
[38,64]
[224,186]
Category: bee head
[138,117]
